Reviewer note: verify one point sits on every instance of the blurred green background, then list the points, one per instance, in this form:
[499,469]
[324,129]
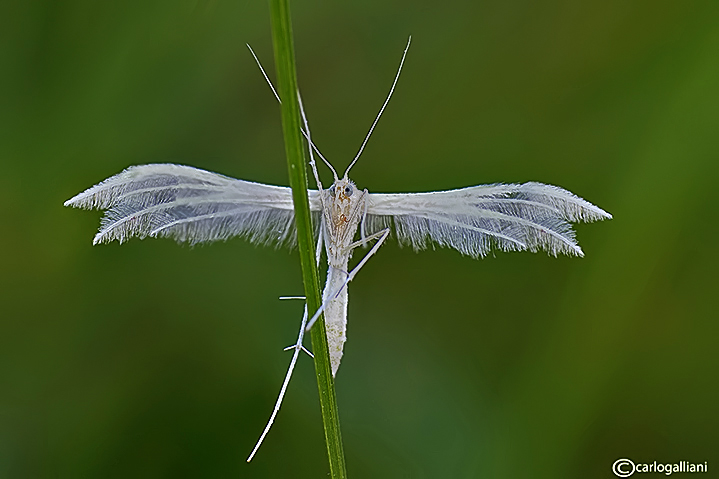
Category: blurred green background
[153,359]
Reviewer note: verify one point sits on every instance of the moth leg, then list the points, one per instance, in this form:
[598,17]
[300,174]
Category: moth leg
[382,235]
[369,238]
[364,218]
[318,251]
[294,346]
[297,347]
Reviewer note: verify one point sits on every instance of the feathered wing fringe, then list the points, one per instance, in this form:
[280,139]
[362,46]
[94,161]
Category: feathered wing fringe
[515,217]
[190,205]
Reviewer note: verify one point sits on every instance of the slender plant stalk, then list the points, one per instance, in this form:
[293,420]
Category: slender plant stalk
[287,85]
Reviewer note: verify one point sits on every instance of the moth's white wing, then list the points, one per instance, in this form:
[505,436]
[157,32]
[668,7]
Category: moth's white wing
[190,205]
[530,216]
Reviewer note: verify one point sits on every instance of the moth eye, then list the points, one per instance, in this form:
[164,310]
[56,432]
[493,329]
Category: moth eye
[348,190]
[332,190]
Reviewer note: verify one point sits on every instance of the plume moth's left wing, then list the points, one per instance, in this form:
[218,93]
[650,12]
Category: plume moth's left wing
[514,217]
[191,205]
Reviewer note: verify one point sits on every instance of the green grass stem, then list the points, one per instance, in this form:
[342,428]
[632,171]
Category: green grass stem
[296,165]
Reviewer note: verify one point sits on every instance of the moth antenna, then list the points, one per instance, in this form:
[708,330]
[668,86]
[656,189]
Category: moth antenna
[319,153]
[391,90]
[257,60]
[305,131]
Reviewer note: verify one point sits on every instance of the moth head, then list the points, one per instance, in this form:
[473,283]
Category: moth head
[342,190]
[342,202]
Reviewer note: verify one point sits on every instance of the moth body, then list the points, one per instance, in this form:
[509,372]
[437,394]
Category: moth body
[343,206]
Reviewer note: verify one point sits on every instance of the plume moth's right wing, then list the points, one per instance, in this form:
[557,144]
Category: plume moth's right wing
[191,205]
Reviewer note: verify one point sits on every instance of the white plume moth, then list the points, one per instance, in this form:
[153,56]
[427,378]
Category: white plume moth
[195,206]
